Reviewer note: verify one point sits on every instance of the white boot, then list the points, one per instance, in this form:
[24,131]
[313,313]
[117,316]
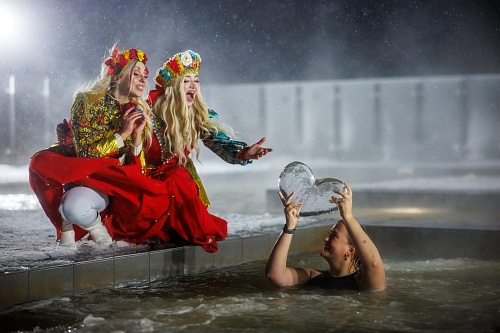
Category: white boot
[67,238]
[99,233]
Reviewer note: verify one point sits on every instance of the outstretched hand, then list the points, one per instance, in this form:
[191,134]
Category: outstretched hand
[256,151]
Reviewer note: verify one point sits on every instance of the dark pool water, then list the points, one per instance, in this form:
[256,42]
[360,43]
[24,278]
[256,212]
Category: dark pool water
[452,295]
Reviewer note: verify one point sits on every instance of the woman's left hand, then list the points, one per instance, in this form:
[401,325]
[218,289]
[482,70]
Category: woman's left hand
[344,202]
[256,151]
[134,121]
[64,133]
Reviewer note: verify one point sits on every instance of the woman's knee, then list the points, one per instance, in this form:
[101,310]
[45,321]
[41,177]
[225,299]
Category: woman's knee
[81,205]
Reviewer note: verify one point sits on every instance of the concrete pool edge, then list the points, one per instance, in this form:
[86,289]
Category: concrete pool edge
[393,241]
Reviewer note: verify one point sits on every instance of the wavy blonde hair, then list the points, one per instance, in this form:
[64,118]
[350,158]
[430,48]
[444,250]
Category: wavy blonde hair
[185,125]
[106,83]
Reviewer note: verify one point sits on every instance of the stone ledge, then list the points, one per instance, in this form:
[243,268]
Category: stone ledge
[393,241]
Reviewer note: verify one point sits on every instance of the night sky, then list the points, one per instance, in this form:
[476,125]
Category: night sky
[258,40]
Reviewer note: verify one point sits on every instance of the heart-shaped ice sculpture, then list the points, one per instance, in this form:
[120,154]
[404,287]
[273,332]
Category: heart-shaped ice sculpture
[314,193]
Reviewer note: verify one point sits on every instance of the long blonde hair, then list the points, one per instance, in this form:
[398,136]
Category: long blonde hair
[185,125]
[107,83]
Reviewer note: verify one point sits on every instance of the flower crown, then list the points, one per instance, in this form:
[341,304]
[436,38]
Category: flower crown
[117,61]
[187,62]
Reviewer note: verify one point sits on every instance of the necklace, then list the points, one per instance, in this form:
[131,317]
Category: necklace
[160,141]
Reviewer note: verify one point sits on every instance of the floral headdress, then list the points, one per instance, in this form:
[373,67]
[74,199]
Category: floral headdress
[117,61]
[187,62]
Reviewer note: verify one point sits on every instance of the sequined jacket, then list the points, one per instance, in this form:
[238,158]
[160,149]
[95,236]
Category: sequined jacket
[95,118]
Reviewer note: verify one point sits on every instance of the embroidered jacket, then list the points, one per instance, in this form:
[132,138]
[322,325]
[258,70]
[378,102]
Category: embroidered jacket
[95,118]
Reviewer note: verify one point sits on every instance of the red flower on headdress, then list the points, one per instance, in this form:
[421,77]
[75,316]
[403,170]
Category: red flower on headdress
[174,65]
[121,61]
[111,61]
[117,61]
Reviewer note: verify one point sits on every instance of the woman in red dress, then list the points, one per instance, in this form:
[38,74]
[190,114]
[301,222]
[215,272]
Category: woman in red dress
[107,122]
[180,119]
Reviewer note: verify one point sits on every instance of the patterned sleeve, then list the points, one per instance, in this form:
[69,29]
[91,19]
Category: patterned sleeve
[222,145]
[90,127]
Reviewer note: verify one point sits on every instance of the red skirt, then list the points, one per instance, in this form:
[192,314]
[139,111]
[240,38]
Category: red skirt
[164,206]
